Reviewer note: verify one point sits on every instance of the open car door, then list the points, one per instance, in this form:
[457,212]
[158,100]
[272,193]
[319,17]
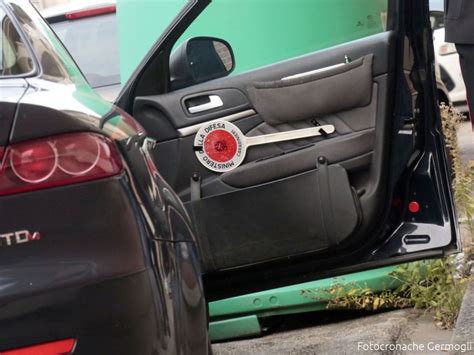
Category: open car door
[302,136]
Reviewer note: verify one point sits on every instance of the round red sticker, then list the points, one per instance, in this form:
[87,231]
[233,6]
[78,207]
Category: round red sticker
[219,146]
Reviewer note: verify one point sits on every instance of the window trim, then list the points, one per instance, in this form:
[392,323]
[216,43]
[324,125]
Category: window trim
[36,68]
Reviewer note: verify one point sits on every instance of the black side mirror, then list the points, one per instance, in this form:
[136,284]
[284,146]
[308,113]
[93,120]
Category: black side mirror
[200,59]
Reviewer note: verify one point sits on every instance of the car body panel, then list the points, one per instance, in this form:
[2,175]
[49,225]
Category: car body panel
[10,93]
[244,316]
[112,262]
[109,92]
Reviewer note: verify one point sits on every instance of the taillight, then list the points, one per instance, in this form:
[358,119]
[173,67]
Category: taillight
[60,347]
[56,161]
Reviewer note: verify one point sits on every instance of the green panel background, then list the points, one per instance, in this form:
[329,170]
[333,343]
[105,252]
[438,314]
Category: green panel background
[140,23]
[261,32]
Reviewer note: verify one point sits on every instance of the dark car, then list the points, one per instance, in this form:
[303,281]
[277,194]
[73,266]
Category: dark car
[94,259]
[320,164]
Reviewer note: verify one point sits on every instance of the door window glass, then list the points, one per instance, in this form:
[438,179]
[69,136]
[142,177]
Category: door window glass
[15,58]
[93,43]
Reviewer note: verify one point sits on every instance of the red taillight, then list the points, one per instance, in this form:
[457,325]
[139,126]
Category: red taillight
[60,347]
[91,12]
[34,162]
[57,161]
[79,156]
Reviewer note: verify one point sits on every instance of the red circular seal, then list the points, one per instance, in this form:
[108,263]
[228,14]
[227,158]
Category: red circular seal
[220,145]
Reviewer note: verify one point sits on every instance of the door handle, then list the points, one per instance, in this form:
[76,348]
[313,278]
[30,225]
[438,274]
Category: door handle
[214,102]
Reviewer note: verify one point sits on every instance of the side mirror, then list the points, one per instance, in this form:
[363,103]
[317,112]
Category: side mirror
[200,59]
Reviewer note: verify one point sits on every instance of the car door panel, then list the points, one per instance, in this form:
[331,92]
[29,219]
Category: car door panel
[306,212]
[298,210]
[354,136]
[233,100]
[339,150]
[296,98]
[155,112]
[297,204]
[170,104]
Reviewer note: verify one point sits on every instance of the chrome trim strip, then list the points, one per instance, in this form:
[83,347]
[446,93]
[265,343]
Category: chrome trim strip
[311,72]
[189,130]
[289,135]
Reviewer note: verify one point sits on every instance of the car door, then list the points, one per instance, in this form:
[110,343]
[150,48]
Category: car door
[369,187]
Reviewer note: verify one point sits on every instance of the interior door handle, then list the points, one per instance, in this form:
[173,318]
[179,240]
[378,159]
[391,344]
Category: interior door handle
[214,102]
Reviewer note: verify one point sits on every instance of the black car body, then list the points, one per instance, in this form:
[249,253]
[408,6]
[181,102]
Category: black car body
[99,259]
[104,259]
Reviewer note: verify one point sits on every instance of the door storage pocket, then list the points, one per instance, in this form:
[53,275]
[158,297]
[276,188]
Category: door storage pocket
[303,213]
[337,89]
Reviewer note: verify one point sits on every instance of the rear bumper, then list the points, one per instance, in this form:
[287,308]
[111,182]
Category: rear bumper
[87,277]
[97,275]
[89,232]
[111,317]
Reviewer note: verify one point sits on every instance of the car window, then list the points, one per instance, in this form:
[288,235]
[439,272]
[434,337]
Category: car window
[93,44]
[15,59]
[262,32]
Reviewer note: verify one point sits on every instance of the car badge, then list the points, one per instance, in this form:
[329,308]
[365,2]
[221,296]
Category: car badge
[18,237]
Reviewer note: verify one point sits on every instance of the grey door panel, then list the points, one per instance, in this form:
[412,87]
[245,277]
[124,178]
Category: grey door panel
[280,201]
[291,100]
[345,122]
[170,104]
[326,213]
[335,150]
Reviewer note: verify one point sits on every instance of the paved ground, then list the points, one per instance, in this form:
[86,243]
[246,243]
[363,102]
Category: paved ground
[349,333]
[463,334]
[313,337]
[466,142]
